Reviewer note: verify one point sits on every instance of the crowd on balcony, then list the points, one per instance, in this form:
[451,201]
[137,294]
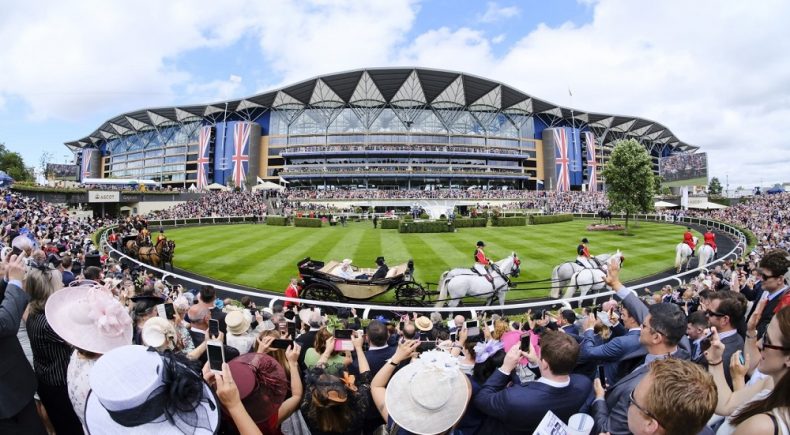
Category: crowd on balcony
[121,351]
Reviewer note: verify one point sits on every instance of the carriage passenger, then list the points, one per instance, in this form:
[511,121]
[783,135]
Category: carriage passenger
[380,273]
[344,270]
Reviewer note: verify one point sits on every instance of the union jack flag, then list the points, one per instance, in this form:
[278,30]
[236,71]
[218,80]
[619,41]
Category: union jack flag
[241,152]
[592,163]
[204,139]
[86,163]
[562,160]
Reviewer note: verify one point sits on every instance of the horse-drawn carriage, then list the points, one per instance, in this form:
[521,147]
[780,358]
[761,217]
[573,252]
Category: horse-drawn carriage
[319,283]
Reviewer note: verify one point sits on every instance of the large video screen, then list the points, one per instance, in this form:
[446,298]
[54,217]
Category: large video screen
[62,172]
[684,170]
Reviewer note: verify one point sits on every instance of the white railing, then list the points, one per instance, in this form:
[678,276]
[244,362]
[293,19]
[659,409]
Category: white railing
[737,251]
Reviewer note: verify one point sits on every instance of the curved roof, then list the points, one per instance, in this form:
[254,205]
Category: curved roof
[399,88]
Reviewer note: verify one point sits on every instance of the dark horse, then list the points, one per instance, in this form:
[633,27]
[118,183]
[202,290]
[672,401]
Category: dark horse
[605,216]
[160,255]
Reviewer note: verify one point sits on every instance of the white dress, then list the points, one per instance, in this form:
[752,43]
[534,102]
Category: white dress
[78,380]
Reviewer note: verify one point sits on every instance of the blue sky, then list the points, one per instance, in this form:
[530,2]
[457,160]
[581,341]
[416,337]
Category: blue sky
[707,70]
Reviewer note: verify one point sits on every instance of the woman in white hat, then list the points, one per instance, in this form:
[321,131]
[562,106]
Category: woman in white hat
[91,320]
[161,334]
[135,390]
[240,336]
[428,396]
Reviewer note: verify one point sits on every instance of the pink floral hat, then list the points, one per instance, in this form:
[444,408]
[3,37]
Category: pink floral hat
[89,318]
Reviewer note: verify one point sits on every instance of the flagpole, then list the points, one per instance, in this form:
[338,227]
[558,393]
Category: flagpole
[573,136]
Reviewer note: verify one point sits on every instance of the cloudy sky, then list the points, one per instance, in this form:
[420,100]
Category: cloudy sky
[717,72]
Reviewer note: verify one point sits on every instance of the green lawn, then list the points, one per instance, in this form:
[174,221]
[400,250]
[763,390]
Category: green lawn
[265,257]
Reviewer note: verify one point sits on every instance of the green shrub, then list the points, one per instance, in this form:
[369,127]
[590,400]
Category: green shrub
[389,224]
[279,221]
[509,221]
[426,227]
[307,222]
[424,216]
[470,222]
[536,219]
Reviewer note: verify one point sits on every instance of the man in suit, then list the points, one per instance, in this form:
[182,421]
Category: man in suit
[610,353]
[725,312]
[17,380]
[518,409]
[663,329]
[307,340]
[773,267]
[208,297]
[674,397]
[377,355]
[696,324]
[566,322]
[199,316]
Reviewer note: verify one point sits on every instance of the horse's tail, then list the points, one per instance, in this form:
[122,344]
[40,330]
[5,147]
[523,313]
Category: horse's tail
[442,289]
[555,282]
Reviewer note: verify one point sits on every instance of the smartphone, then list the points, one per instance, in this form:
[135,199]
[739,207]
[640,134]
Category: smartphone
[525,340]
[16,251]
[170,312]
[424,336]
[595,310]
[213,328]
[704,344]
[282,326]
[453,337]
[278,343]
[472,324]
[602,376]
[291,329]
[741,359]
[216,355]
[343,334]
[490,323]
[426,345]
[400,326]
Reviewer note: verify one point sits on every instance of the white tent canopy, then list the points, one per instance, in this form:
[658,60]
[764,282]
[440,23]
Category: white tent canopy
[707,206]
[217,186]
[268,185]
[664,204]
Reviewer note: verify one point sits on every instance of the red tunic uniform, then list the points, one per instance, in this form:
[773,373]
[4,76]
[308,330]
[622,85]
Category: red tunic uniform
[710,239]
[291,292]
[688,239]
[480,257]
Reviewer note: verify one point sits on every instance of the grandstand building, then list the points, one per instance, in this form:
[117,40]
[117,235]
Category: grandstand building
[385,128]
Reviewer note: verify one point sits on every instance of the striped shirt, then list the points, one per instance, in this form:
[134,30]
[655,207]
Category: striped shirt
[50,353]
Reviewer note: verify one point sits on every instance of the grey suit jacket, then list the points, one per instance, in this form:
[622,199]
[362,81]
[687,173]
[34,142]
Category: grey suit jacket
[17,380]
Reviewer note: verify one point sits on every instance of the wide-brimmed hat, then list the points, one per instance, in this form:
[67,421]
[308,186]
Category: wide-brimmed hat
[138,391]
[237,322]
[423,324]
[429,395]
[262,384]
[89,318]
[347,261]
[157,332]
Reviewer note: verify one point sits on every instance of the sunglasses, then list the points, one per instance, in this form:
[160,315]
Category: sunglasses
[764,276]
[632,401]
[766,344]
[713,313]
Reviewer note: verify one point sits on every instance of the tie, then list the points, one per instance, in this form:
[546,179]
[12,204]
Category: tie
[694,351]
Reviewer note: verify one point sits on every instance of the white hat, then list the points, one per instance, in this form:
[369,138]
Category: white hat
[429,395]
[347,261]
[130,394]
[158,332]
[237,322]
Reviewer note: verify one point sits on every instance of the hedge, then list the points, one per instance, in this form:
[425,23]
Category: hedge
[426,227]
[307,222]
[536,219]
[389,224]
[470,222]
[509,221]
[280,221]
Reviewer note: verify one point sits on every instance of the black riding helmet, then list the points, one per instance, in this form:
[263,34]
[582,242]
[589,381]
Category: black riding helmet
[584,240]
[480,243]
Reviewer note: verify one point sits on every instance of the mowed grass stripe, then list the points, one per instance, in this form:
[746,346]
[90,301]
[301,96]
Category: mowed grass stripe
[265,257]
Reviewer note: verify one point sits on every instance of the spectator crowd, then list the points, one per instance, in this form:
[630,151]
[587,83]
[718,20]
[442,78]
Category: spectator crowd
[107,348]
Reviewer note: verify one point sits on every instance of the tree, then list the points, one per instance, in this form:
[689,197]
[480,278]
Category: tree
[629,179]
[714,188]
[13,165]
[43,163]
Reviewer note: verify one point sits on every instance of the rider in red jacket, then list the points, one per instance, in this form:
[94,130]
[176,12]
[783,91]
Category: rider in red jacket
[710,239]
[688,239]
[482,263]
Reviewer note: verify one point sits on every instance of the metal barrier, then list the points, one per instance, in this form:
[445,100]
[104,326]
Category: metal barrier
[737,251]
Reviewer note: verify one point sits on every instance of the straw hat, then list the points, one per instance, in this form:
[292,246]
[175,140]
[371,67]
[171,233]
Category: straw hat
[237,322]
[89,318]
[137,391]
[429,395]
[423,324]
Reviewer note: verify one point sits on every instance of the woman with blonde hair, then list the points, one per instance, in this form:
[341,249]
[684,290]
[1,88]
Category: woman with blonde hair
[51,354]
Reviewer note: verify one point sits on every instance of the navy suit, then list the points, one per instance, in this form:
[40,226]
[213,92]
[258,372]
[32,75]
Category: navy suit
[570,330]
[732,344]
[610,353]
[518,409]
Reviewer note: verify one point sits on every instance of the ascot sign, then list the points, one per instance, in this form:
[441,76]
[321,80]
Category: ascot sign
[103,196]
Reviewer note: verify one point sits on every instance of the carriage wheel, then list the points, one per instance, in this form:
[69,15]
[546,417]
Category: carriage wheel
[410,303]
[322,292]
[409,291]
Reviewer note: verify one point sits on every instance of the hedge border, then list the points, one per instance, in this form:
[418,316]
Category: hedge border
[549,219]
[307,222]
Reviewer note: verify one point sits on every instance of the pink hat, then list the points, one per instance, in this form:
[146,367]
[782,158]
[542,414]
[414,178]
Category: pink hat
[89,318]
[510,339]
